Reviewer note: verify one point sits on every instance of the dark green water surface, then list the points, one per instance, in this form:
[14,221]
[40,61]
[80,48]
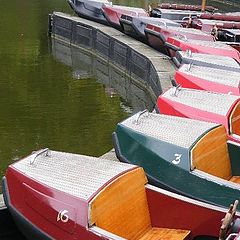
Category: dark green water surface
[43,103]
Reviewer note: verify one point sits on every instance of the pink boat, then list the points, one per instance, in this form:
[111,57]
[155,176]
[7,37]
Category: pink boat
[113,13]
[203,105]
[157,35]
[186,7]
[207,78]
[207,25]
[207,60]
[174,44]
[219,16]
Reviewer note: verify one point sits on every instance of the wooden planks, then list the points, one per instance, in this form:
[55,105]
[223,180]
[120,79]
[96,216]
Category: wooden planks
[210,154]
[235,179]
[165,234]
[121,207]
[235,120]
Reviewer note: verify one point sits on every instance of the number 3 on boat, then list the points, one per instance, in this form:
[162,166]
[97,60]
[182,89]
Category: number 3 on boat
[188,156]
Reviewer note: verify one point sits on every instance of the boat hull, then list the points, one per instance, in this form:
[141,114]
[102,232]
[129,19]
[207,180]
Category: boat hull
[131,147]
[187,7]
[221,17]
[90,10]
[27,228]
[114,13]
[224,63]
[37,220]
[133,27]
[8,227]
[155,39]
[188,81]
[48,209]
[173,45]
[183,210]
[174,108]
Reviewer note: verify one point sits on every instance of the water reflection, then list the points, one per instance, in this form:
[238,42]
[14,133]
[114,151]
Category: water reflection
[86,65]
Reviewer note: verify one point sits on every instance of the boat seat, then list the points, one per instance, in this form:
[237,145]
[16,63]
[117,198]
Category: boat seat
[235,120]
[235,179]
[210,155]
[122,209]
[165,234]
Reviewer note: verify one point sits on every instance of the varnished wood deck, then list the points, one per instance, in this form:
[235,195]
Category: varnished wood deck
[165,234]
[210,154]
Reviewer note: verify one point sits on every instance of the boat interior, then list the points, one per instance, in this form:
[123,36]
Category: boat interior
[234,121]
[211,155]
[125,200]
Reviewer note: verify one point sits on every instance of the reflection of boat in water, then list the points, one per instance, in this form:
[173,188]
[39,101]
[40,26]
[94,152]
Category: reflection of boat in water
[86,65]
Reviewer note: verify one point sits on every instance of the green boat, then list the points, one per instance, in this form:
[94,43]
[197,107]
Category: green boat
[190,157]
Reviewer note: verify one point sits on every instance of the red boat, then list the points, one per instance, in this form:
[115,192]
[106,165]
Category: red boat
[219,16]
[207,25]
[174,44]
[203,105]
[206,60]
[207,78]
[186,7]
[113,13]
[157,35]
[235,45]
[55,195]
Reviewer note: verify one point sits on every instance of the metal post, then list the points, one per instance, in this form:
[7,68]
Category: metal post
[204,5]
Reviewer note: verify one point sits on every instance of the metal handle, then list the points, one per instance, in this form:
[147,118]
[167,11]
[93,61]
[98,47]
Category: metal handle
[164,23]
[138,115]
[181,36]
[189,66]
[189,53]
[232,236]
[36,154]
[176,90]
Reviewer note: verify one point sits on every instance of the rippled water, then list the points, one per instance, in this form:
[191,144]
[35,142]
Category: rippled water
[43,103]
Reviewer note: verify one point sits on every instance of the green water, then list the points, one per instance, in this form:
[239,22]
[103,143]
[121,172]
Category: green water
[42,103]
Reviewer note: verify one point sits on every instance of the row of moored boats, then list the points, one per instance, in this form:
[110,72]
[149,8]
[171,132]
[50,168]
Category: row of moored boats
[191,148]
